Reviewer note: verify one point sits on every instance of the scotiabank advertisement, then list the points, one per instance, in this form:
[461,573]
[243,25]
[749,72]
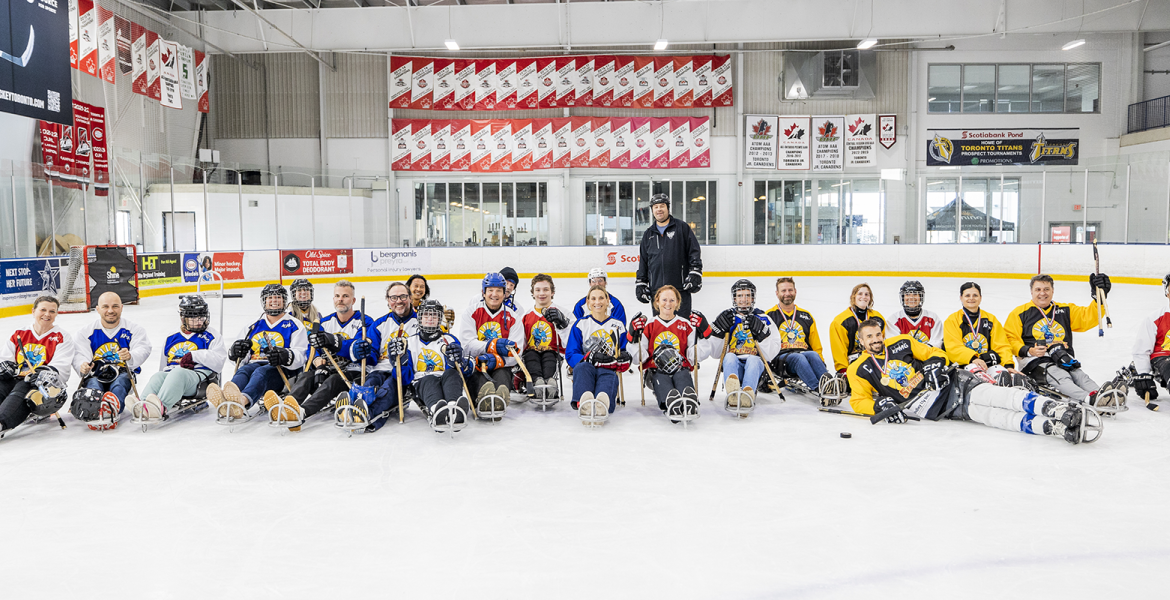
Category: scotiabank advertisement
[622,259]
[316,262]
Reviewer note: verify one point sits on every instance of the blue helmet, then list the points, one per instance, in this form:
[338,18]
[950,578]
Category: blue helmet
[493,280]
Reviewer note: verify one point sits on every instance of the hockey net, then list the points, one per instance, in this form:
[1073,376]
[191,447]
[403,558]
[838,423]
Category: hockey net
[93,270]
[73,294]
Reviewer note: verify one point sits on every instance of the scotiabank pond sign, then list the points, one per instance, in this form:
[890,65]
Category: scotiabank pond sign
[391,261]
[992,147]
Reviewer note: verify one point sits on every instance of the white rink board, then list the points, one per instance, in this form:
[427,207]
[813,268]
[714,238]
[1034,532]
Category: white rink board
[539,507]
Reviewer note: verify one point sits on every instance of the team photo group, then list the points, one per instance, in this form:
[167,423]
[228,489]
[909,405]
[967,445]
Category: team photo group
[455,366]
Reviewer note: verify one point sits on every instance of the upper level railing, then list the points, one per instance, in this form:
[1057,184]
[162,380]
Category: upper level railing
[1150,114]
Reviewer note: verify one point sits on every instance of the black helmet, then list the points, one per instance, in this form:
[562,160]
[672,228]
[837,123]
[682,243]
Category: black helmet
[743,284]
[273,289]
[302,284]
[194,307]
[659,199]
[912,287]
[430,307]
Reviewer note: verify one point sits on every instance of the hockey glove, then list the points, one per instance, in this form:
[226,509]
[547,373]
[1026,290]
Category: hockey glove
[602,360]
[756,326]
[395,347]
[281,357]
[187,362]
[642,291]
[700,325]
[502,345]
[1062,358]
[323,341]
[489,361]
[637,324]
[1099,280]
[553,315]
[990,358]
[449,318]
[454,355]
[693,283]
[882,405]
[8,370]
[1144,384]
[360,349]
[724,323]
[935,377]
[621,362]
[239,349]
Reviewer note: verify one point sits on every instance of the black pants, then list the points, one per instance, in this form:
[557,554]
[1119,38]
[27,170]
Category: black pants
[431,389]
[501,376]
[663,383]
[542,365]
[14,409]
[1161,368]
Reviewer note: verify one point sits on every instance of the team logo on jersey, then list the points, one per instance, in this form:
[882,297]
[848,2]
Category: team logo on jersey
[1042,330]
[32,357]
[742,341]
[490,331]
[265,341]
[1166,341]
[108,352]
[541,335]
[792,335]
[428,361]
[920,336]
[667,338]
[900,372]
[976,342]
[180,350]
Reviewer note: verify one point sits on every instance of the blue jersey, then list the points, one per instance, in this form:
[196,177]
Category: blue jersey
[349,332]
[616,310]
[610,328]
[205,348]
[288,332]
[96,343]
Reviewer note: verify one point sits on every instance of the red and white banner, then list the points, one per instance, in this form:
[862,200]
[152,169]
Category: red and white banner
[50,137]
[506,84]
[316,262]
[700,143]
[485,85]
[660,140]
[623,86]
[643,94]
[101,156]
[583,81]
[566,90]
[481,151]
[168,56]
[230,265]
[684,83]
[420,145]
[122,36]
[546,82]
[83,145]
[501,145]
[138,59]
[664,82]
[680,142]
[701,68]
[562,131]
[602,147]
[65,156]
[201,81]
[721,92]
[465,84]
[400,144]
[400,81]
[619,156]
[642,143]
[107,44]
[527,87]
[603,82]
[73,34]
[542,138]
[422,84]
[522,145]
[887,130]
[441,145]
[153,66]
[444,94]
[460,145]
[582,139]
[87,37]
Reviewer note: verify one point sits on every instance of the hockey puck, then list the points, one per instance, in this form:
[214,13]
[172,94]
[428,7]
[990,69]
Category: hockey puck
[846,435]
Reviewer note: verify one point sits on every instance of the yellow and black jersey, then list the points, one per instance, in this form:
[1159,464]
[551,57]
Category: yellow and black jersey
[798,330]
[965,338]
[1029,326]
[843,334]
[895,375]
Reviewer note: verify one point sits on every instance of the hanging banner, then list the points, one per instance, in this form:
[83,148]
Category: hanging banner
[83,146]
[544,141]
[887,130]
[50,138]
[700,148]
[991,147]
[138,59]
[721,91]
[481,151]
[680,142]
[861,140]
[623,87]
[701,67]
[828,147]
[643,93]
[422,83]
[399,144]
[602,147]
[619,157]
[441,145]
[465,82]
[663,82]
[684,82]
[485,85]
[501,145]
[642,144]
[583,81]
[562,133]
[168,56]
[660,143]
[603,81]
[460,145]
[522,145]
[101,160]
[506,84]
[400,81]
[761,142]
[582,139]
[87,37]
[65,148]
[107,44]
[526,85]
[153,66]
[34,62]
[186,72]
[444,94]
[546,82]
[566,90]
[201,82]
[420,145]
[123,40]
[794,143]
[73,50]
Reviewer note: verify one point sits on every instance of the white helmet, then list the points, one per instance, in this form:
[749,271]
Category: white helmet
[596,272]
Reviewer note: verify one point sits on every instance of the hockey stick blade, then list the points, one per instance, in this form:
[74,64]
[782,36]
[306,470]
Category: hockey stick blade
[889,412]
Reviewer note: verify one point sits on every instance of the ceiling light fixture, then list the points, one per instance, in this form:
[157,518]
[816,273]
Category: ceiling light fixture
[1073,44]
[660,44]
[451,44]
[867,44]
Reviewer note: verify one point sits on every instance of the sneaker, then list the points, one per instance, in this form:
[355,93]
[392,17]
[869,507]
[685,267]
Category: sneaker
[747,397]
[504,392]
[151,408]
[288,413]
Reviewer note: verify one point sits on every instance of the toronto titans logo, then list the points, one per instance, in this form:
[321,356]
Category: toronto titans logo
[32,357]
[265,341]
[792,336]
[667,338]
[490,331]
[1042,330]
[976,342]
[541,335]
[428,361]
[900,371]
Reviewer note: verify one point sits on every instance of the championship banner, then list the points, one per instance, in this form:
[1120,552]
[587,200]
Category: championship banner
[526,86]
[659,143]
[542,136]
[168,56]
[73,50]
[991,147]
[643,93]
[160,269]
[602,146]
[582,139]
[700,148]
[684,83]
[399,148]
[562,131]
[441,145]
[640,149]
[522,145]
[546,82]
[583,81]
[83,148]
[794,143]
[465,81]
[422,83]
[860,140]
[101,157]
[444,93]
[107,44]
[400,81]
[420,145]
[828,143]
[201,82]
[460,145]
[122,37]
[501,146]
[619,157]
[566,91]
[481,153]
[887,130]
[506,84]
[34,62]
[50,138]
[623,75]
[680,142]
[701,67]
[760,152]
[153,66]
[721,92]
[65,147]
[316,262]
[138,59]
[186,72]
[485,90]
[603,81]
[663,82]
[87,37]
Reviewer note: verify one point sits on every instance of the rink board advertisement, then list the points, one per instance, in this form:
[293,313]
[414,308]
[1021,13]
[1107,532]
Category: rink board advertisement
[316,262]
[993,147]
[29,278]
[392,261]
[34,60]
[160,269]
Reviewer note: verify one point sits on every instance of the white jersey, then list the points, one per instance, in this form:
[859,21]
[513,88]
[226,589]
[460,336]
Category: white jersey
[926,328]
[389,327]
[479,326]
[287,332]
[96,342]
[430,358]
[206,349]
[30,351]
[1152,340]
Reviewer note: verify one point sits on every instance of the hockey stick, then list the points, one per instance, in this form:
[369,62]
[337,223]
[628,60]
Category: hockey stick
[900,408]
[842,411]
[1102,308]
[621,381]
[398,378]
[529,388]
[60,421]
[641,375]
[1150,405]
[719,371]
[772,377]
[363,317]
[463,380]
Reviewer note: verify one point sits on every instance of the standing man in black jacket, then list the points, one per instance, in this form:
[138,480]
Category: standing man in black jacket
[669,255]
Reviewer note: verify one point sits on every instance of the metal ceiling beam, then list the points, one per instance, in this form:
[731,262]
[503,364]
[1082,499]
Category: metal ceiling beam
[150,12]
[255,12]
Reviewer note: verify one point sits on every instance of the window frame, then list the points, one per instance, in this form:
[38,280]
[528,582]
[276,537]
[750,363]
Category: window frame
[1031,87]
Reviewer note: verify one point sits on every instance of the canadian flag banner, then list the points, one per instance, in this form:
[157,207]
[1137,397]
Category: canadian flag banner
[664,82]
[444,94]
[422,83]
[400,81]
[623,77]
[201,81]
[506,145]
[506,84]
[583,81]
[701,69]
[138,58]
[464,84]
[644,82]
[566,90]
[684,83]
[603,83]
[87,37]
[107,44]
[527,90]
[485,85]
[153,66]
[546,82]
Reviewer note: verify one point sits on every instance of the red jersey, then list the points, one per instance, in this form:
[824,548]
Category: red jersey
[927,328]
[54,349]
[541,335]
[676,332]
[480,326]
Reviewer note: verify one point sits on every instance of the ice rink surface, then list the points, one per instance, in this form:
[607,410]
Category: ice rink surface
[774,506]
